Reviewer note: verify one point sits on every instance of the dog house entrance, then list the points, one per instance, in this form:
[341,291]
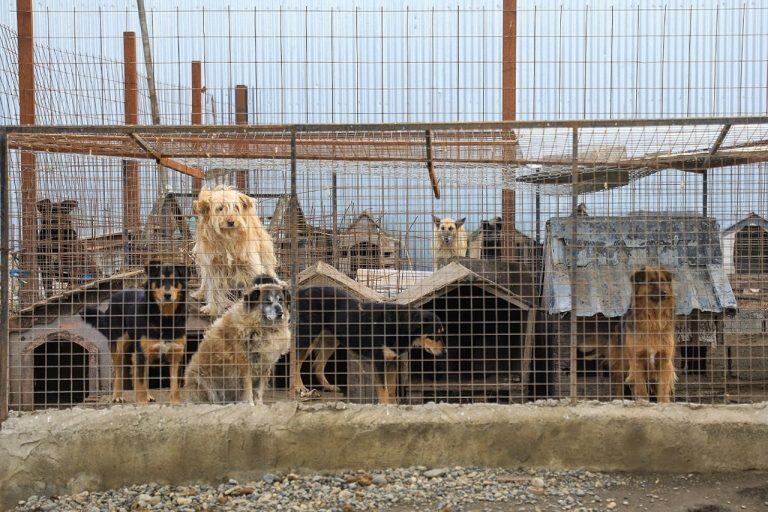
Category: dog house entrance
[751,253]
[60,373]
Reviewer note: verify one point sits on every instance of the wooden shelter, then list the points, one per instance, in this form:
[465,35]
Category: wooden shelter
[366,244]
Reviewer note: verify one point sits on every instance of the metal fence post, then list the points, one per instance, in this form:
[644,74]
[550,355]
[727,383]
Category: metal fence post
[573,250]
[4,291]
[294,369]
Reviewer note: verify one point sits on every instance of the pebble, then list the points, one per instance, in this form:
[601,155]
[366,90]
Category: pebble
[455,489]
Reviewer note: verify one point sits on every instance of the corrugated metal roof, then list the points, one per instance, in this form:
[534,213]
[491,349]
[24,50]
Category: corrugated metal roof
[609,248]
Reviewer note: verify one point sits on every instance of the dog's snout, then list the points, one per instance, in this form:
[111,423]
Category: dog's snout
[230,223]
[167,296]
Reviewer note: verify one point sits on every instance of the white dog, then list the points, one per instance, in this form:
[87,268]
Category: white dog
[449,241]
[231,247]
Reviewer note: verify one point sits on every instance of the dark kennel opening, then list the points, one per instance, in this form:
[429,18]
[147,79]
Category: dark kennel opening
[483,337]
[60,373]
[751,254]
[363,255]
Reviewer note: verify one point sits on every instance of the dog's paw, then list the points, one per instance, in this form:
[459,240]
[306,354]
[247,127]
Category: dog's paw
[117,400]
[309,394]
[332,389]
[151,399]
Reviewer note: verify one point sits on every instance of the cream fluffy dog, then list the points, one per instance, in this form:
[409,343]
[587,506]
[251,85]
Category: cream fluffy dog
[449,240]
[244,343]
[231,246]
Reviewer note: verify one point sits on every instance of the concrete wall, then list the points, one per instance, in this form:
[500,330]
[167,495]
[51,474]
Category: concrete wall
[58,452]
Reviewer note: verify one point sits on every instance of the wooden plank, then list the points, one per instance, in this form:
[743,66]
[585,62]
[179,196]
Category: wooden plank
[528,343]
[197,110]
[27,111]
[509,113]
[431,166]
[241,117]
[165,161]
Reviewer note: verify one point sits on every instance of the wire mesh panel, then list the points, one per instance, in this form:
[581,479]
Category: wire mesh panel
[379,264]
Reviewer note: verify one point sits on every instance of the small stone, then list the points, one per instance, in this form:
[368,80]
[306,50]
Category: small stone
[154,500]
[183,501]
[143,498]
[345,494]
[434,473]
[536,490]
[239,491]
[223,500]
[538,482]
[625,502]
[268,478]
[611,505]
[379,480]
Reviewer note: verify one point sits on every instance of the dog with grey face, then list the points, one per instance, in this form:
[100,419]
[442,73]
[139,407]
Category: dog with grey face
[449,240]
[244,343]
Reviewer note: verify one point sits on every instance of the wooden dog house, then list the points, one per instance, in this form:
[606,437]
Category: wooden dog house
[487,308]
[366,244]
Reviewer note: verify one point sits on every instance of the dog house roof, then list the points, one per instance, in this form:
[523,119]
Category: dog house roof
[324,274]
[500,279]
[752,219]
[609,248]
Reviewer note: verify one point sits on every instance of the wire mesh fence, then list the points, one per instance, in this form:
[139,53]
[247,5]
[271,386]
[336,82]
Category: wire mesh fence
[380,264]
[442,257]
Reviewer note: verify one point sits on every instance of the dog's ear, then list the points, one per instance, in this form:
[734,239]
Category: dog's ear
[460,222]
[436,220]
[667,275]
[640,276]
[202,205]
[182,271]
[252,297]
[68,205]
[247,202]
[153,268]
[44,205]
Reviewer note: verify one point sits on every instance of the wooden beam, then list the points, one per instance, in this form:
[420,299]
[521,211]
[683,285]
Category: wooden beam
[241,117]
[509,113]
[720,139]
[431,166]
[197,110]
[165,161]
[27,116]
[131,181]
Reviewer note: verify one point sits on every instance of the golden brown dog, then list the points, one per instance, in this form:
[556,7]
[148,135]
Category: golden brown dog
[449,241]
[246,342]
[642,352]
[231,246]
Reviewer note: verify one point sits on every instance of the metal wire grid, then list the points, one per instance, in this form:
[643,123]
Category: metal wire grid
[366,227]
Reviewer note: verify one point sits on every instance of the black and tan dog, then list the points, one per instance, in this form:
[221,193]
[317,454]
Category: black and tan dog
[329,317]
[147,323]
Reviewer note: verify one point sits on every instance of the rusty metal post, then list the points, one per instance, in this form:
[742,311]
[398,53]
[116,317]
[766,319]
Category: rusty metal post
[197,110]
[5,295]
[131,190]
[30,291]
[573,253]
[241,117]
[509,113]
[294,225]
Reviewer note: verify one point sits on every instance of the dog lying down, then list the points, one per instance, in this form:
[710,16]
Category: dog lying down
[245,343]
[329,317]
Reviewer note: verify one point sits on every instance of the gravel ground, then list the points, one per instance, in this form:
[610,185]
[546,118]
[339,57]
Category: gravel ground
[436,489]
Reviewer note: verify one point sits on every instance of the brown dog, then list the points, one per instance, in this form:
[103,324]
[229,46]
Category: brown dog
[647,353]
[642,352]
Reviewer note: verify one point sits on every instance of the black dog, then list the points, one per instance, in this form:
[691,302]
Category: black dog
[60,252]
[148,323]
[329,317]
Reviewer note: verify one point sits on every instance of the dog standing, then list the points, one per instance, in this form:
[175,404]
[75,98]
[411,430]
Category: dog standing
[329,317]
[231,246]
[246,341]
[147,323]
[449,240]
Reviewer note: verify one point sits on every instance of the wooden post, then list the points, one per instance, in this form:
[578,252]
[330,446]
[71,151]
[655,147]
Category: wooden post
[131,190]
[509,113]
[5,295]
[241,117]
[29,289]
[197,110]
